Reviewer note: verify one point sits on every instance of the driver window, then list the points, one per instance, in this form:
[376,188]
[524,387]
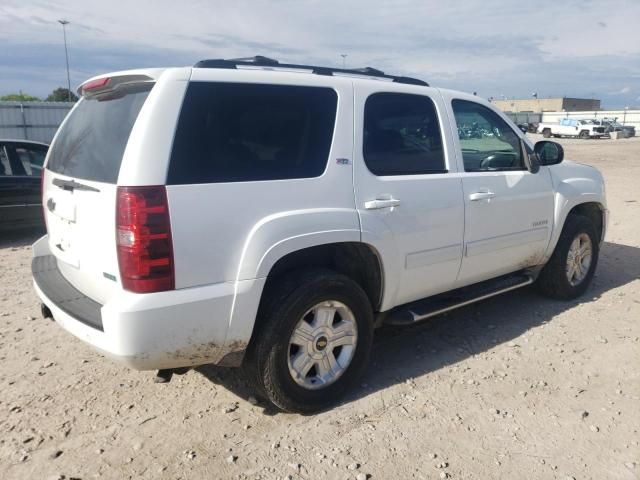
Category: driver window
[486,140]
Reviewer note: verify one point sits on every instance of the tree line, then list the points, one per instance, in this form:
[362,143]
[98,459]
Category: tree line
[60,94]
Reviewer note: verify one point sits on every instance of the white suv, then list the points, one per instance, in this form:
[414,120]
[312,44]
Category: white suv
[247,212]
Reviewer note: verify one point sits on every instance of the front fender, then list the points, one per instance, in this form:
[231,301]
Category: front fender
[574,184]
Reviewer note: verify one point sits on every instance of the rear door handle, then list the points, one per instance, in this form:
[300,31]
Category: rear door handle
[485,195]
[379,203]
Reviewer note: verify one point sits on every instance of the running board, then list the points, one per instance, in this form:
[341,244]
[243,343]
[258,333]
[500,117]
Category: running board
[422,309]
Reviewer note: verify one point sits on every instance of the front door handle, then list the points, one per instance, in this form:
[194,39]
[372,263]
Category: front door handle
[379,203]
[484,195]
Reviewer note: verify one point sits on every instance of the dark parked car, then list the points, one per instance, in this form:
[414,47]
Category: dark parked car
[528,127]
[612,125]
[20,169]
[630,131]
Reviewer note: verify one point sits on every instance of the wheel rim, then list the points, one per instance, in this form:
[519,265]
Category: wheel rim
[579,259]
[322,345]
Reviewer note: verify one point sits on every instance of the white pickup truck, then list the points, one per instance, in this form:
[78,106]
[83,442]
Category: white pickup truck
[271,216]
[571,127]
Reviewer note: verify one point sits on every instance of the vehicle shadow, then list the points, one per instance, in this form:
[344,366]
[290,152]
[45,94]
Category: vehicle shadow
[20,237]
[400,354]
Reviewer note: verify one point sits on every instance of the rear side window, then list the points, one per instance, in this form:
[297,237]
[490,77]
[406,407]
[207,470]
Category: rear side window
[231,132]
[92,141]
[402,135]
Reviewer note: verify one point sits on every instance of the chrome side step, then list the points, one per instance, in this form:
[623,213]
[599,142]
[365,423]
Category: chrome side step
[432,306]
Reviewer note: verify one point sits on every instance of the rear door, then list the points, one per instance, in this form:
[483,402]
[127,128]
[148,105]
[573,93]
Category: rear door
[80,186]
[409,201]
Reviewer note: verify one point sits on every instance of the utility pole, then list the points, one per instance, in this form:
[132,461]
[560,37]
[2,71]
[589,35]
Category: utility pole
[66,54]
[344,60]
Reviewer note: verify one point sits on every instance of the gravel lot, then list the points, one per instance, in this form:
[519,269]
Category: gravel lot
[515,387]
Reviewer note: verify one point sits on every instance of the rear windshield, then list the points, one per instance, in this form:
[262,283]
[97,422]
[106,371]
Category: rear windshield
[230,132]
[92,141]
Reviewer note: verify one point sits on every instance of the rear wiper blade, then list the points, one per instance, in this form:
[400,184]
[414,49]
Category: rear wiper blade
[73,185]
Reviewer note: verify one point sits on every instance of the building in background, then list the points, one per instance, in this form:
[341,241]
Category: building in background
[539,105]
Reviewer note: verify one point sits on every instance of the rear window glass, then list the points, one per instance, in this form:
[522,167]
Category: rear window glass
[92,141]
[230,132]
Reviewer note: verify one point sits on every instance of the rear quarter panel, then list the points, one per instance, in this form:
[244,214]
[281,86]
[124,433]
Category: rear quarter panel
[146,158]
[229,232]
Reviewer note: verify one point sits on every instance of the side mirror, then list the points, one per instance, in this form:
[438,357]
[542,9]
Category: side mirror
[548,153]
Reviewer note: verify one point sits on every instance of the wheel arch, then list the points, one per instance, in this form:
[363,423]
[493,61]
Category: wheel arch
[356,260]
[592,208]
[595,212]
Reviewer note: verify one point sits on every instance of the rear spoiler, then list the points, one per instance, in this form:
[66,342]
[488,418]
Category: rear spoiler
[112,86]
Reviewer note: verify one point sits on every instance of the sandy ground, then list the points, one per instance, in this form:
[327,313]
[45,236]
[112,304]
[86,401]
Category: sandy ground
[515,387]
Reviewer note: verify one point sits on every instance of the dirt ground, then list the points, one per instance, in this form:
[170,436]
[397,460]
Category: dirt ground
[516,387]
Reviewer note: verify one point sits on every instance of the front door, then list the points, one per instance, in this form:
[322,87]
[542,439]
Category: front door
[410,206]
[508,210]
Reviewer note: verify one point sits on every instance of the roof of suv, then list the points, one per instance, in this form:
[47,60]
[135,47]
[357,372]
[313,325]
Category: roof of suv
[264,62]
[260,63]
[269,65]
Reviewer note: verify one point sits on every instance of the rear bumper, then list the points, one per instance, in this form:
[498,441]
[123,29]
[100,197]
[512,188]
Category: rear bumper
[179,328]
[65,296]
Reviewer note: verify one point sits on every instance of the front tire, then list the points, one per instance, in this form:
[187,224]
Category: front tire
[584,135]
[314,343]
[570,269]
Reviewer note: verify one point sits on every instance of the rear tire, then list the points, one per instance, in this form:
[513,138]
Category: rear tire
[584,135]
[295,359]
[570,269]
[546,133]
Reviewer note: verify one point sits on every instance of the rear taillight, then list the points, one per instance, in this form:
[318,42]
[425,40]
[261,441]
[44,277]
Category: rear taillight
[143,237]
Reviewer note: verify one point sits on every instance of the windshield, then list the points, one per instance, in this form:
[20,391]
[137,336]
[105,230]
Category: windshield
[93,139]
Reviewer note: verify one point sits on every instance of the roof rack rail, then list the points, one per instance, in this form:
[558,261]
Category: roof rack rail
[261,61]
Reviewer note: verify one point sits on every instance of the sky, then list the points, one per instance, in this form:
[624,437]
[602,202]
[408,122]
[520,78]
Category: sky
[579,48]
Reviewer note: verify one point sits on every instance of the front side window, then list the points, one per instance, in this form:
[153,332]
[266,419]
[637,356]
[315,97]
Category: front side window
[402,135]
[488,143]
[240,132]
